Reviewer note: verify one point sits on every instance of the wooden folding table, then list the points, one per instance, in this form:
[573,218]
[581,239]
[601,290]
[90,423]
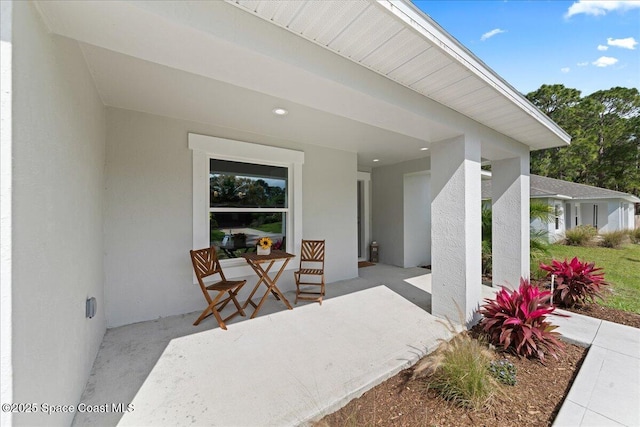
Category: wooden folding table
[256,262]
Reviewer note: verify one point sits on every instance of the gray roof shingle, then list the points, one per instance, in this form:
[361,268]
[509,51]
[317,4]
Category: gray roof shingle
[542,186]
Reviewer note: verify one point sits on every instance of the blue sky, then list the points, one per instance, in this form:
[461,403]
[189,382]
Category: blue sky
[586,45]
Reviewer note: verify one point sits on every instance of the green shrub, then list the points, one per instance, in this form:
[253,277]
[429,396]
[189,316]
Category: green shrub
[504,371]
[613,239]
[459,372]
[580,235]
[635,235]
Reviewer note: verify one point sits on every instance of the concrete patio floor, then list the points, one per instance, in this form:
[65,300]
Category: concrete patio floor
[285,367]
[291,367]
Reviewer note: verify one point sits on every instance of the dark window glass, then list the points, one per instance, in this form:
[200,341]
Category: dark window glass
[236,232]
[247,185]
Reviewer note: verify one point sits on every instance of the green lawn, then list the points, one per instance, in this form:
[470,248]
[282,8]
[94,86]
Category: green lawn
[272,227]
[621,268]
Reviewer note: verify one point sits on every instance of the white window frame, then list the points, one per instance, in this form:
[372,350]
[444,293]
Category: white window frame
[205,148]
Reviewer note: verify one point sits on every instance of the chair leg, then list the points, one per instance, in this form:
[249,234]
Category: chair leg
[233,295]
[212,309]
[306,294]
[205,314]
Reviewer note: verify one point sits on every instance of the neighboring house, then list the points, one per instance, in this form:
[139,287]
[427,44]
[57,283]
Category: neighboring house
[116,117]
[578,204]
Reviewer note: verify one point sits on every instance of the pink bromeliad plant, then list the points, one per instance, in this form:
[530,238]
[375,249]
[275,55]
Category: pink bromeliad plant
[576,282]
[516,321]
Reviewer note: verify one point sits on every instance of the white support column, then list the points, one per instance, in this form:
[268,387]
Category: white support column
[510,227]
[456,228]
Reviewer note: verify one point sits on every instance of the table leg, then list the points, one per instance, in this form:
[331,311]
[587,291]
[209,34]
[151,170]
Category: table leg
[271,286]
[275,289]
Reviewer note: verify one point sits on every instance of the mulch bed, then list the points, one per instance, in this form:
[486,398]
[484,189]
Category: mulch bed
[534,401]
[607,313]
[401,401]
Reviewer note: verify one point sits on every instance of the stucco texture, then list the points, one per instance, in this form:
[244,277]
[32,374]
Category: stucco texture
[148,213]
[58,178]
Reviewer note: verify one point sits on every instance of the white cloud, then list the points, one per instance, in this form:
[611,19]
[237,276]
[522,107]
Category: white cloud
[605,61]
[491,33]
[582,64]
[602,47]
[565,69]
[600,7]
[628,43]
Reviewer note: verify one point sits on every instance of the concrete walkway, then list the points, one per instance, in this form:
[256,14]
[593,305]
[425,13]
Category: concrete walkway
[606,391]
[290,367]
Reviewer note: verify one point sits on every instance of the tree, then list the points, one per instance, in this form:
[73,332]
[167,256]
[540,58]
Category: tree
[604,126]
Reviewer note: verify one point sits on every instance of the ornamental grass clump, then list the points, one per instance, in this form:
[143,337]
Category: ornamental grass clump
[635,235]
[458,372]
[580,235]
[613,239]
[576,282]
[515,321]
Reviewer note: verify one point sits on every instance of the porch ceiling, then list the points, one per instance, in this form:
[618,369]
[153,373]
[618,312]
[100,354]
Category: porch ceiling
[214,62]
[395,39]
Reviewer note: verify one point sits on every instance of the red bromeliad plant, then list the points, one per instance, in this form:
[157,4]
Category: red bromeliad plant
[576,282]
[516,321]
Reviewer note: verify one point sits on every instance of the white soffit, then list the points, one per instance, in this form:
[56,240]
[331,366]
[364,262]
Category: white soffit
[394,39]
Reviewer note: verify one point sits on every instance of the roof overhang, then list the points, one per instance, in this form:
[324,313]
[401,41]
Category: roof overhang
[552,196]
[377,78]
[397,40]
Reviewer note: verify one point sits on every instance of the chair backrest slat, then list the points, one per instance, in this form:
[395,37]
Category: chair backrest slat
[206,263]
[312,252]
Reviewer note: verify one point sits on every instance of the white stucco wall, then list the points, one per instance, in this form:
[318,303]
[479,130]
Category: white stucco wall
[614,216]
[456,231]
[556,234]
[388,208]
[58,181]
[417,220]
[586,214]
[6,201]
[148,216]
[553,234]
[628,216]
[620,215]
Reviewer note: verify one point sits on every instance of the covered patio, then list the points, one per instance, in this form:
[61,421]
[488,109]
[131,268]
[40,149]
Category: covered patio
[282,368]
[113,113]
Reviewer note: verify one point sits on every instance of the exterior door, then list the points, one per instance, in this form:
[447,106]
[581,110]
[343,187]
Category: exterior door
[364,215]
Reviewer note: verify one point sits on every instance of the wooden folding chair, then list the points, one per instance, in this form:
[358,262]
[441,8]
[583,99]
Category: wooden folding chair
[205,264]
[311,265]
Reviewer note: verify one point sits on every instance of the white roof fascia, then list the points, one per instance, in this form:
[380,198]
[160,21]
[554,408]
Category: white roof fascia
[427,27]
[553,196]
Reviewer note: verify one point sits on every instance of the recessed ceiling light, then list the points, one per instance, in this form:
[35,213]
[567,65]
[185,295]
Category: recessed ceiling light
[280,111]
[424,149]
[376,160]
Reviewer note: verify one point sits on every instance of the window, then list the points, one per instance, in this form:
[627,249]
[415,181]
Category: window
[595,216]
[242,191]
[557,215]
[247,201]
